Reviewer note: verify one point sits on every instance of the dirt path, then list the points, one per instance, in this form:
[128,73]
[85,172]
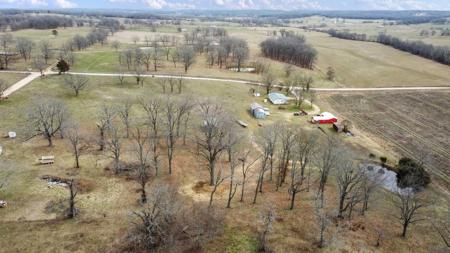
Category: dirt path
[20,84]
[27,80]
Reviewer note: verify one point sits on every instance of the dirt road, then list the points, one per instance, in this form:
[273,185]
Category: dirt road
[33,75]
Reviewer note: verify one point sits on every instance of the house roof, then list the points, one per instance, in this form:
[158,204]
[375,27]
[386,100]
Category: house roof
[276,96]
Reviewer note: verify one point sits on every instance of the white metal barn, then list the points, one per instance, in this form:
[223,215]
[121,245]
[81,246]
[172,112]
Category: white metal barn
[277,98]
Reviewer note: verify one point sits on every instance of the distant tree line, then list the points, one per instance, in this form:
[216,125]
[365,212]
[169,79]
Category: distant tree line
[17,22]
[348,35]
[436,53]
[291,49]
[439,54]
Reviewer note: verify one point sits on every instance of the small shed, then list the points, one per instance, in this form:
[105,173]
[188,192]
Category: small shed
[338,127]
[258,111]
[277,98]
[12,135]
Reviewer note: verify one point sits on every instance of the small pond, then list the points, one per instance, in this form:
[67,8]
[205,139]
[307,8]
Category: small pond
[387,178]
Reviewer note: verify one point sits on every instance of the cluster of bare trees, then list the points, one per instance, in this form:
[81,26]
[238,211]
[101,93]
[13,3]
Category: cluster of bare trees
[166,122]
[228,51]
[6,44]
[157,49]
[96,35]
[166,223]
[291,49]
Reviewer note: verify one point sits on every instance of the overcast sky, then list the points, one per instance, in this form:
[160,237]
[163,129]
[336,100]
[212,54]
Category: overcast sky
[234,4]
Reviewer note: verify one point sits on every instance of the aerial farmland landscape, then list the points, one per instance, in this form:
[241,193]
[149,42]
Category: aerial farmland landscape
[224,126]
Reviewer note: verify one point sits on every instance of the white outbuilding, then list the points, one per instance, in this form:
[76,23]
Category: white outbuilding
[277,98]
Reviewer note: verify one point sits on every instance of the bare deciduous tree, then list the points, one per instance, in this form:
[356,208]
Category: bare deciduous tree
[105,118]
[167,224]
[266,219]
[287,135]
[124,112]
[322,219]
[138,75]
[45,50]
[218,180]
[121,77]
[409,206]
[153,109]
[114,147]
[348,178]
[369,184]
[231,141]
[77,143]
[268,79]
[267,140]
[39,63]
[76,82]
[47,117]
[142,151]
[24,46]
[152,228]
[73,191]
[116,45]
[326,160]
[303,150]
[187,56]
[246,166]
[171,110]
[210,139]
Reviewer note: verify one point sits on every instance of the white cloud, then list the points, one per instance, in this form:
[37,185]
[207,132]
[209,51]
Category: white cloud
[38,2]
[65,4]
[156,4]
[396,4]
[25,2]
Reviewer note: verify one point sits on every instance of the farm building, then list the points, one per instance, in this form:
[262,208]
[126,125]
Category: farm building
[277,98]
[258,111]
[324,118]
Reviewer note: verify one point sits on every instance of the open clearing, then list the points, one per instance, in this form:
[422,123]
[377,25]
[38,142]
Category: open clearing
[410,123]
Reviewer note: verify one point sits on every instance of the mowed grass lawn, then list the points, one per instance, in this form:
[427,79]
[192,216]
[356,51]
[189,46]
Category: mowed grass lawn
[11,78]
[92,61]
[38,35]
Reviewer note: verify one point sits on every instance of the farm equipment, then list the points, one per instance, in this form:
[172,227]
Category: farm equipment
[300,113]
